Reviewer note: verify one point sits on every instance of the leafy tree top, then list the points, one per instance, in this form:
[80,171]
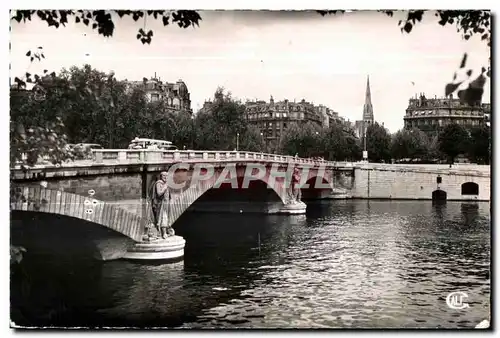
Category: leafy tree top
[102,20]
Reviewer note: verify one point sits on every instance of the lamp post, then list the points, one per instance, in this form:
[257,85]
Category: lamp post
[316,146]
[365,153]
[192,131]
[237,141]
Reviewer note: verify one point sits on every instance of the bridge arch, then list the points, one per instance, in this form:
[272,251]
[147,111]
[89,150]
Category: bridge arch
[317,186]
[110,215]
[187,197]
[470,188]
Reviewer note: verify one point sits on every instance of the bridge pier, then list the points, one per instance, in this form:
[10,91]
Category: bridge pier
[297,208]
[171,248]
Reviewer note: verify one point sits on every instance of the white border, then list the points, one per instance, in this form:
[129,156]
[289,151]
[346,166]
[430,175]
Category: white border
[214,4]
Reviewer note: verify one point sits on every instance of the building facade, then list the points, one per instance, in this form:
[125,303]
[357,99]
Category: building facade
[432,115]
[175,95]
[360,126]
[273,118]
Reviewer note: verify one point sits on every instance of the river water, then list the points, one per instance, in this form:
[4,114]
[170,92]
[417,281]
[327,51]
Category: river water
[346,264]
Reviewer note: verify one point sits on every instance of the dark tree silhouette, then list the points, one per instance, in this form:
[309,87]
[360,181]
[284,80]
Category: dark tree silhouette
[480,145]
[103,22]
[453,140]
[410,144]
[378,143]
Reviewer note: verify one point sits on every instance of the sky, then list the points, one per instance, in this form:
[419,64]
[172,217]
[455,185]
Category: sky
[256,54]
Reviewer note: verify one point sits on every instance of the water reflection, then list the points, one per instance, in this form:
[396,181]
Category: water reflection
[344,264]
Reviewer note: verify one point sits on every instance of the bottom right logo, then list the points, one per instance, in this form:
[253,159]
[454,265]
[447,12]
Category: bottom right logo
[455,300]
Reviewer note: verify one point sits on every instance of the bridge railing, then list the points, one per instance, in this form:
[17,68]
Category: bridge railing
[116,156]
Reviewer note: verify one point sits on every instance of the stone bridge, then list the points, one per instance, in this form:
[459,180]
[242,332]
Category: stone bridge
[112,190]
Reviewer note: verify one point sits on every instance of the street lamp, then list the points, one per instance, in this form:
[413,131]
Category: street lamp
[237,141]
[365,153]
[263,139]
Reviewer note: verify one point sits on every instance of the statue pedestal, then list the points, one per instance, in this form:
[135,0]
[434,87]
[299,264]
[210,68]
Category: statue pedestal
[293,208]
[169,249]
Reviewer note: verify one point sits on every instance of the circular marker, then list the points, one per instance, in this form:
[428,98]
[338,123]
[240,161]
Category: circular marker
[241,211]
[91,192]
[89,211]
[95,202]
[87,202]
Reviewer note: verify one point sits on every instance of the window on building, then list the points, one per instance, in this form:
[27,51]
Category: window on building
[284,125]
[155,97]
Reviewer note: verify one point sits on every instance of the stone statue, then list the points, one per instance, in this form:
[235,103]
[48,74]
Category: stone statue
[160,204]
[294,193]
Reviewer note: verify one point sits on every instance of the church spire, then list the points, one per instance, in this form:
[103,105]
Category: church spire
[368,108]
[368,97]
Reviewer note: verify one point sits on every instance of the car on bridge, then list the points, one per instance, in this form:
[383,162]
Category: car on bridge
[151,144]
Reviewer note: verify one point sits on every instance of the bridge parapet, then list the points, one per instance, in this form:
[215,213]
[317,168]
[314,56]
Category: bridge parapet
[111,156]
[117,157]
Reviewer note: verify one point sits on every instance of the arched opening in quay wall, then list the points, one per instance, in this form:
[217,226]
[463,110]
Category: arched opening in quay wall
[439,195]
[470,188]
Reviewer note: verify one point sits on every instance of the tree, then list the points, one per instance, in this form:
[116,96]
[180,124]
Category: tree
[341,144]
[378,143]
[103,22]
[305,140]
[480,146]
[468,23]
[32,139]
[434,152]
[37,127]
[251,140]
[77,105]
[453,140]
[95,106]
[218,126]
[413,144]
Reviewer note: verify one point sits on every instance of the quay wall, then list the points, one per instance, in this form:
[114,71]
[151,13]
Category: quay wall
[398,182]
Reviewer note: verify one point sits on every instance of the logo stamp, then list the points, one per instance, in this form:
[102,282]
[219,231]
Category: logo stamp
[455,300]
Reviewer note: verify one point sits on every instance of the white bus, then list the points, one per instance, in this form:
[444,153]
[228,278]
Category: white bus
[147,143]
